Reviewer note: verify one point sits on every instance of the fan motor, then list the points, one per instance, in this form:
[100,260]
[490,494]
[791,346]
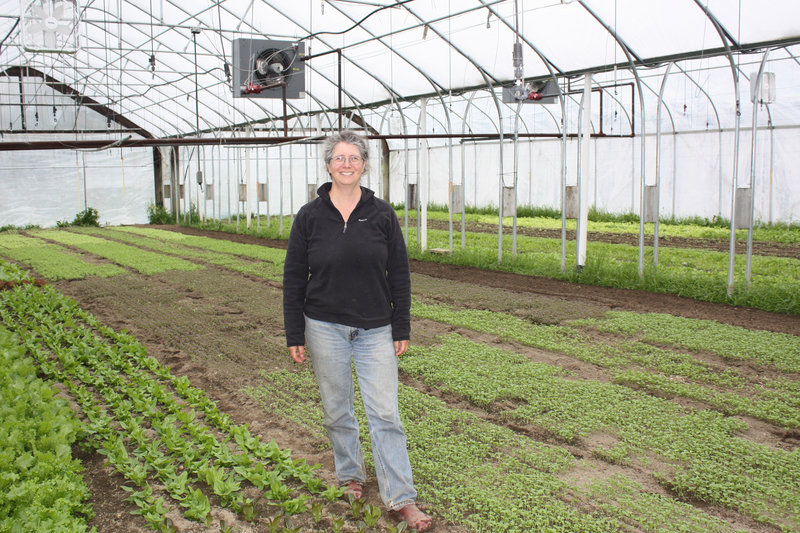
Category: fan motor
[271,65]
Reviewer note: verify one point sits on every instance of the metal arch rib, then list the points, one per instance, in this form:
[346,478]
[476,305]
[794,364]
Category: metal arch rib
[633,59]
[436,87]
[75,95]
[722,30]
[563,103]
[211,127]
[245,116]
[166,81]
[613,33]
[726,39]
[486,75]
[175,99]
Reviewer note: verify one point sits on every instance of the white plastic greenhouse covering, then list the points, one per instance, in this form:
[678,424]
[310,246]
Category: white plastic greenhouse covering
[120,104]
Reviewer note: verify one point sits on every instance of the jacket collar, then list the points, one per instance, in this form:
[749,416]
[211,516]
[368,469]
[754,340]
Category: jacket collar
[324,192]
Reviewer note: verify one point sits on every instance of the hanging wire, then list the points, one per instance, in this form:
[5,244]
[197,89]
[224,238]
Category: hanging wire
[357,24]
[616,88]
[739,37]
[14,27]
[226,65]
[450,56]
[152,50]
[119,54]
[105,49]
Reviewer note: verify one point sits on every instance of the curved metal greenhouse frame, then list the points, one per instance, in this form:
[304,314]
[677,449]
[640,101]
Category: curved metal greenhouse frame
[156,75]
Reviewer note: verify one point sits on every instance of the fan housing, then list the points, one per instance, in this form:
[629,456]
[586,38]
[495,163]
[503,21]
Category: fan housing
[50,26]
[263,68]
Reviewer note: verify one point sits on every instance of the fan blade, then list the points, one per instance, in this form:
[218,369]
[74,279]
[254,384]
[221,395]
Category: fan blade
[50,40]
[34,27]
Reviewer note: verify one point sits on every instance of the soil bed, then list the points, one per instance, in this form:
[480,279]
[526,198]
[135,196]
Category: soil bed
[221,329]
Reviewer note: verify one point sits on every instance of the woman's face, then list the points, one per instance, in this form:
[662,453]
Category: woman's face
[346,165]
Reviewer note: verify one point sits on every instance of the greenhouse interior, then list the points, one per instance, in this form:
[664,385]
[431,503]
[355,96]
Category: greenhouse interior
[600,204]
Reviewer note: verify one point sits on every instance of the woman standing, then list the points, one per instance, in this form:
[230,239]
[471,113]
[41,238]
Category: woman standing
[347,293]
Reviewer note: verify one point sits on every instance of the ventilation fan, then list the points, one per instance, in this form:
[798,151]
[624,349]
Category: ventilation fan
[271,67]
[539,92]
[50,26]
[263,68]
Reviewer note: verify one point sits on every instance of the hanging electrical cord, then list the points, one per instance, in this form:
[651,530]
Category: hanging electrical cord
[226,65]
[35,109]
[119,56]
[361,21]
[105,53]
[14,27]
[152,50]
[616,89]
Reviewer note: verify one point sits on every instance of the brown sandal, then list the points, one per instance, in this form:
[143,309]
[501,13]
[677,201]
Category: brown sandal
[414,517]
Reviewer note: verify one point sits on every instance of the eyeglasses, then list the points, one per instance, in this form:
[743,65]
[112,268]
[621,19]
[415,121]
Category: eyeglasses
[353,159]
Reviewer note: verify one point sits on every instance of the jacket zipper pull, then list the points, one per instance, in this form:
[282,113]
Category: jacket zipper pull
[345,227]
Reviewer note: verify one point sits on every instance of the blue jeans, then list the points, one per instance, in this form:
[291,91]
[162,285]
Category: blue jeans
[332,348]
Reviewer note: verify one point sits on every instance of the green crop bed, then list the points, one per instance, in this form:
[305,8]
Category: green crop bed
[169,441]
[601,421]
[776,233]
[51,260]
[142,261]
[247,259]
[698,274]
[41,488]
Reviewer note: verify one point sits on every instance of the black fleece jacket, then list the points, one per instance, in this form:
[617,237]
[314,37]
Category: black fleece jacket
[352,272]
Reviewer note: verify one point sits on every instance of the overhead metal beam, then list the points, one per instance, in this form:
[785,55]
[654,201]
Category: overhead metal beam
[80,99]
[129,142]
[622,65]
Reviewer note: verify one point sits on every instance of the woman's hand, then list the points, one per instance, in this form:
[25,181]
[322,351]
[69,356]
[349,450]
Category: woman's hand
[298,353]
[400,347]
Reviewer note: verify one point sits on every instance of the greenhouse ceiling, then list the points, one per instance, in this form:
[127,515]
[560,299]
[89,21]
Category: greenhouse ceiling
[164,70]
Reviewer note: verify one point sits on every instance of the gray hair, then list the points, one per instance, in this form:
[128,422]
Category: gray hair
[349,137]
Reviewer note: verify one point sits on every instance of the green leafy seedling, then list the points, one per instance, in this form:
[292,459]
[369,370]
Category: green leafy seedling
[274,524]
[198,506]
[314,485]
[247,508]
[372,514]
[356,506]
[295,505]
[337,524]
[278,490]
[332,493]
[167,526]
[316,512]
